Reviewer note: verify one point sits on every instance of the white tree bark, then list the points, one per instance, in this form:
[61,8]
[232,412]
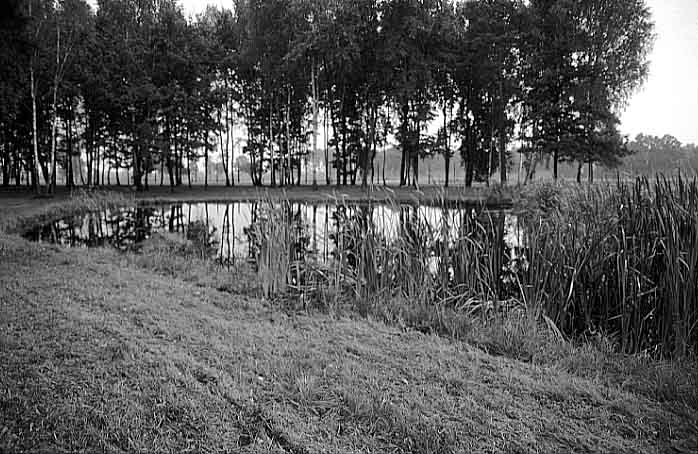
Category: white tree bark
[35,143]
[315,123]
[52,169]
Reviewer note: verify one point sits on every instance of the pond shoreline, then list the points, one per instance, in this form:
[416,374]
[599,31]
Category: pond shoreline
[494,196]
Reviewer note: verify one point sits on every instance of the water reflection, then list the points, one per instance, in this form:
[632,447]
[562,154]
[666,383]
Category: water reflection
[322,230]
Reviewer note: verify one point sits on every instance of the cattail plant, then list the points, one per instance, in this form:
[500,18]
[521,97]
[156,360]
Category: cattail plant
[622,259]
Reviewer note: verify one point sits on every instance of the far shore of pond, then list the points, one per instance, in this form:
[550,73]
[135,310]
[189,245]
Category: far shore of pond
[494,196]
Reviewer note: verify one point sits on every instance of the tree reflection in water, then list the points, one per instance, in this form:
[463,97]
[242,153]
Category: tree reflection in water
[459,246]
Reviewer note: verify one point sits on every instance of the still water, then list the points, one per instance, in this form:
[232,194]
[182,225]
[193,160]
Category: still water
[229,226]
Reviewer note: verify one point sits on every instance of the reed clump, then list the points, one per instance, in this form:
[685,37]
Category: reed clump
[618,259]
[277,247]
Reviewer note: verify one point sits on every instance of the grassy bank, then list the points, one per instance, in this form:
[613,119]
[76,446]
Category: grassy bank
[110,352]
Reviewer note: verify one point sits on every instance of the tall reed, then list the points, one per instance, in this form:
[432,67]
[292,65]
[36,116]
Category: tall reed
[276,240]
[621,259]
[433,256]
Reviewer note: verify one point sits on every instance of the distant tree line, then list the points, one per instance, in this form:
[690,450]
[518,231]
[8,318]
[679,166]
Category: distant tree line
[135,85]
[666,155]
[647,156]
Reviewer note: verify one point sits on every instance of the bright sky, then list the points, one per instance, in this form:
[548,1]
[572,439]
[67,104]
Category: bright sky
[668,102]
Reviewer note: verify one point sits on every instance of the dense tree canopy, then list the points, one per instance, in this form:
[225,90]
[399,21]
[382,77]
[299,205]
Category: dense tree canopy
[136,87]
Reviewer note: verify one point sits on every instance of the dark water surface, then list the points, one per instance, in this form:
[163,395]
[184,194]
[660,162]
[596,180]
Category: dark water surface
[228,226]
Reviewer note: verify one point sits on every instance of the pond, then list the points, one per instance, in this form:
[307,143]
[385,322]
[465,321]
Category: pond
[230,227]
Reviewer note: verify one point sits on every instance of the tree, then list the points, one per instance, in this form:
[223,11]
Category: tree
[584,59]
[69,21]
[137,86]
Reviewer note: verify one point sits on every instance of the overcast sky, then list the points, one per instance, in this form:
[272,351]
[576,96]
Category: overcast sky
[668,102]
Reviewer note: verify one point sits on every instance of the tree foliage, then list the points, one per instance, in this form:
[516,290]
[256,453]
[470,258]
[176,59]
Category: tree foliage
[137,87]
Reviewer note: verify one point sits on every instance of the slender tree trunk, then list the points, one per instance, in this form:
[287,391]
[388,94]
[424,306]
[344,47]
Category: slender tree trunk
[52,174]
[224,149]
[374,153]
[35,143]
[169,161]
[490,156]
[315,123]
[385,153]
[230,138]
[89,144]
[188,170]
[146,179]
[70,181]
[467,154]
[447,145]
[271,148]
[405,147]
[104,164]
[137,179]
[502,138]
[178,155]
[579,172]
[288,138]
[18,173]
[337,152]
[415,170]
[328,179]
[206,159]
[345,169]
[82,177]
[363,158]
[4,156]
[44,171]
[96,164]
[297,150]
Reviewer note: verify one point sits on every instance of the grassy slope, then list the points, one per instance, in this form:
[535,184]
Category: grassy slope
[100,355]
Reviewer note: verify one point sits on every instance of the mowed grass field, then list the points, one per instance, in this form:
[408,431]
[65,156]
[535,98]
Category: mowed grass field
[99,352]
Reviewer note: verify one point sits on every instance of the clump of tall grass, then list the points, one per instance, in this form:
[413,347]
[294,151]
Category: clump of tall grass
[620,259]
[383,252]
[279,245]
